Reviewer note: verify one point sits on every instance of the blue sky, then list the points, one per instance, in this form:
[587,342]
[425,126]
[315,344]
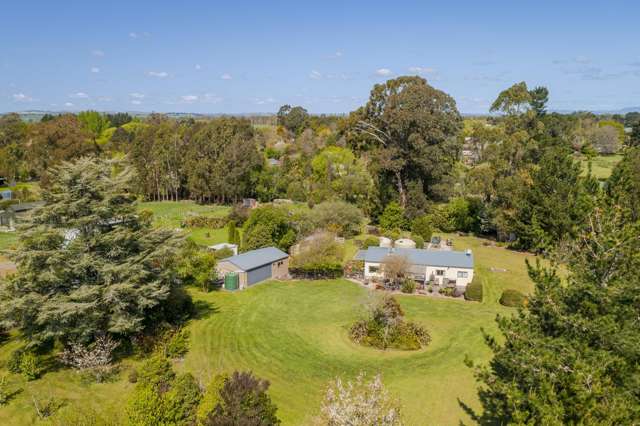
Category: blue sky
[253,56]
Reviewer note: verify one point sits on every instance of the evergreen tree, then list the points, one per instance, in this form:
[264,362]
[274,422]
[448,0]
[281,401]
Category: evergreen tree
[553,205]
[572,355]
[87,263]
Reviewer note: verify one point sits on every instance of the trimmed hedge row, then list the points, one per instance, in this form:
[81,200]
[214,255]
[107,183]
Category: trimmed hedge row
[205,222]
[317,271]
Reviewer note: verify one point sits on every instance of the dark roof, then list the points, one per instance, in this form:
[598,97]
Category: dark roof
[457,259]
[256,258]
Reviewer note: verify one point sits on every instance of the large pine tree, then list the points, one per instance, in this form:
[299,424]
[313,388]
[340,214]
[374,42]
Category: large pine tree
[87,262]
[572,355]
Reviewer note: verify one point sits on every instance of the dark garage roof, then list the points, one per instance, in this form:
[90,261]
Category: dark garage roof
[456,259]
[256,258]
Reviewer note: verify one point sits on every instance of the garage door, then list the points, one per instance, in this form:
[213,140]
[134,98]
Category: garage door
[259,274]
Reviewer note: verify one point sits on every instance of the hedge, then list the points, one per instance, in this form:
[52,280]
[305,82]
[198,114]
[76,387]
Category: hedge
[205,222]
[474,291]
[512,298]
[317,271]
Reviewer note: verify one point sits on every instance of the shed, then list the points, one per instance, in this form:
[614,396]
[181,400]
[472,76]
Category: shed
[7,194]
[255,266]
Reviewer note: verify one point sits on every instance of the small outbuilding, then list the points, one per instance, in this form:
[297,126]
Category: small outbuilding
[255,266]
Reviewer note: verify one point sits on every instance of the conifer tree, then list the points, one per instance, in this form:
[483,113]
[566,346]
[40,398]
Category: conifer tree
[87,263]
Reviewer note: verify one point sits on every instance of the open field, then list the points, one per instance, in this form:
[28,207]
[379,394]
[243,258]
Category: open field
[169,215]
[295,334]
[602,165]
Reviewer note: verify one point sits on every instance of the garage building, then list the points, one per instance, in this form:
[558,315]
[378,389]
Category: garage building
[255,266]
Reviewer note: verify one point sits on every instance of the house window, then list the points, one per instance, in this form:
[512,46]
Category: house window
[463,274]
[374,269]
[440,272]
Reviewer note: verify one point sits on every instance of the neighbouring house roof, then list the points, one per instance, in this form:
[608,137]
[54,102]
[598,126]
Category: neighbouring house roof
[456,259]
[256,258]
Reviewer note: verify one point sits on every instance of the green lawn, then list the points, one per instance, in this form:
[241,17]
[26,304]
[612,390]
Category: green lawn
[8,240]
[295,335]
[602,165]
[170,214]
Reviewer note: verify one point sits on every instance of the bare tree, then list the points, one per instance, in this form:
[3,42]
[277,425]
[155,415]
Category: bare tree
[359,403]
[95,359]
[395,268]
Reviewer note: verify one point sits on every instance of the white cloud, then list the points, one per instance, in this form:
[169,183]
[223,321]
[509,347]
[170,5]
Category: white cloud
[226,76]
[21,97]
[189,98]
[316,75]
[97,52]
[383,72]
[158,74]
[95,70]
[198,67]
[136,95]
[136,102]
[79,95]
[68,104]
[133,35]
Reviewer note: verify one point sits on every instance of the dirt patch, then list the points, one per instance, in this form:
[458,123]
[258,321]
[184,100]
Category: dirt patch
[7,268]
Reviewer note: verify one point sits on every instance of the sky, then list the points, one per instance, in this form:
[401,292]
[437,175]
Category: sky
[253,56]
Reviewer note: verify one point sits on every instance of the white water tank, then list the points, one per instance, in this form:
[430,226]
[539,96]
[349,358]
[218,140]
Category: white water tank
[405,243]
[385,242]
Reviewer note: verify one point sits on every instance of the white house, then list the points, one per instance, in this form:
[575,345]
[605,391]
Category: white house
[439,267]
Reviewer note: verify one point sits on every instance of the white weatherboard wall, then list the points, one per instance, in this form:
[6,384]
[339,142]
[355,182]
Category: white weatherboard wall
[462,276]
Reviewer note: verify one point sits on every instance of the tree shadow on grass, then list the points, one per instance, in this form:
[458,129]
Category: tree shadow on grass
[485,419]
[204,309]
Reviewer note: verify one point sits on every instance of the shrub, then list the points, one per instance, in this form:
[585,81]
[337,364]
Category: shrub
[178,344]
[370,241]
[512,298]
[319,256]
[408,286]
[46,407]
[393,217]
[329,270]
[343,218]
[474,291]
[13,364]
[155,371]
[205,222]
[384,327]
[181,402]
[422,226]
[243,400]
[95,360]
[359,403]
[4,391]
[418,240]
[447,291]
[239,214]
[30,367]
[161,398]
